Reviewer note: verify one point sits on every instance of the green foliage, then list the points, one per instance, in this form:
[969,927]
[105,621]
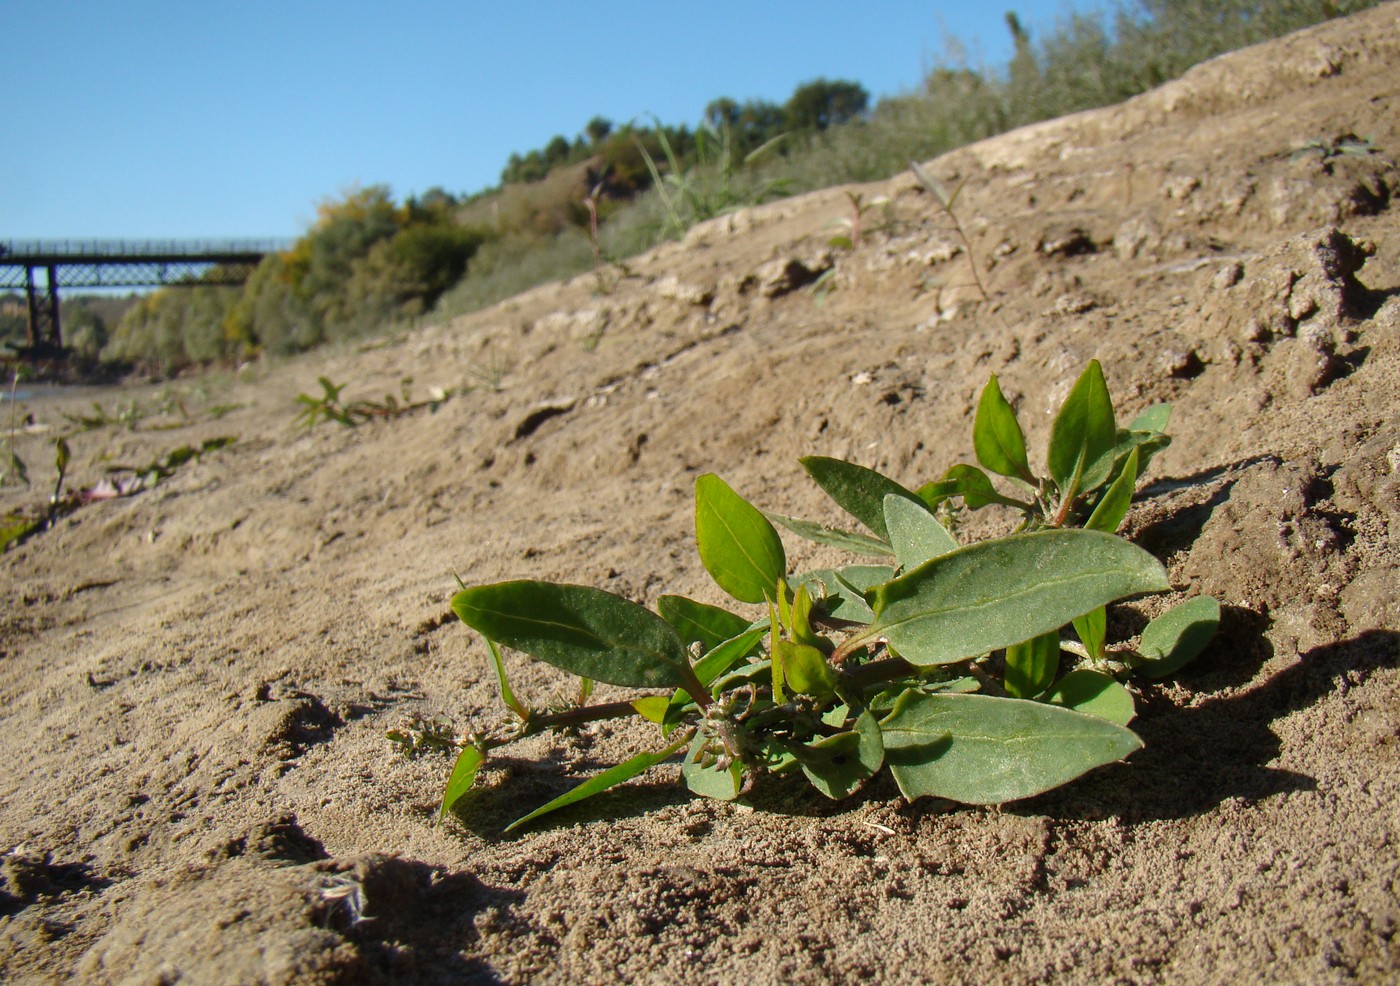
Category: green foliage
[821,103]
[329,407]
[948,669]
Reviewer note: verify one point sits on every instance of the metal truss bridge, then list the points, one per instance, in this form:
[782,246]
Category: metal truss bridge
[115,264]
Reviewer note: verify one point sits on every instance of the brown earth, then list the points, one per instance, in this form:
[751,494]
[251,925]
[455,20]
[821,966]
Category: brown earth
[195,682]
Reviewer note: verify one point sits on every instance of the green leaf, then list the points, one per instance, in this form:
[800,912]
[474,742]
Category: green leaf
[503,683]
[805,668]
[1177,636]
[862,544]
[800,621]
[580,629]
[997,437]
[1094,693]
[599,783]
[723,783]
[915,533]
[997,593]
[463,776]
[972,484]
[1113,505]
[738,547]
[1031,666]
[841,592]
[982,750]
[838,766]
[1083,435]
[653,708]
[1092,628]
[693,620]
[857,490]
[1153,419]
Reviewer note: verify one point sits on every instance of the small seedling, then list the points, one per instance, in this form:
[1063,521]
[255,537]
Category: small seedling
[12,467]
[947,201]
[854,223]
[329,407]
[942,661]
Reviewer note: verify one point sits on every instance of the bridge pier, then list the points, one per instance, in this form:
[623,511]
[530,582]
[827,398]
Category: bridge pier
[44,329]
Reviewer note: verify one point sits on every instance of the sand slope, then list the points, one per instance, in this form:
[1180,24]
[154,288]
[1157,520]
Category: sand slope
[195,682]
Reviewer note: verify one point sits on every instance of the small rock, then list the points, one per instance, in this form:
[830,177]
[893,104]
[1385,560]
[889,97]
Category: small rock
[1181,364]
[1228,276]
[675,289]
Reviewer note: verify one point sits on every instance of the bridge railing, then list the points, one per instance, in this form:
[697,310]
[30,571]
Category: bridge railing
[15,251]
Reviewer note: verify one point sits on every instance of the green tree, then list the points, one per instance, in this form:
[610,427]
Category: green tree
[821,103]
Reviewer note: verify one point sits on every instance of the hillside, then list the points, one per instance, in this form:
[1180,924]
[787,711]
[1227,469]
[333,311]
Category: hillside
[196,681]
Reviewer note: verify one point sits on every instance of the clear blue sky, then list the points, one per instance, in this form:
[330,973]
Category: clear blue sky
[196,118]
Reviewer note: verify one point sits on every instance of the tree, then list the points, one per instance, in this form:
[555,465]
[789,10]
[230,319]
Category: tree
[597,130]
[820,103]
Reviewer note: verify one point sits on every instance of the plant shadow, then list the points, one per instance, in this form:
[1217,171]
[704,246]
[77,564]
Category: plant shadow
[1200,756]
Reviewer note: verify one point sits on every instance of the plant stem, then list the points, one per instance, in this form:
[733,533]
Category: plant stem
[580,716]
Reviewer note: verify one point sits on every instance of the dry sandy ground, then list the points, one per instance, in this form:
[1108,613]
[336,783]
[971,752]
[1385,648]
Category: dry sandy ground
[195,682]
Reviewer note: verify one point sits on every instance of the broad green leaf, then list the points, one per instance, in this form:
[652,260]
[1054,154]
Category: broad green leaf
[503,683]
[1031,666]
[1113,505]
[1092,628]
[463,776]
[1083,435]
[915,532]
[1153,419]
[972,484]
[580,629]
[652,708]
[693,621]
[805,668]
[723,783]
[738,547]
[839,765]
[997,593]
[1175,638]
[978,749]
[1094,693]
[997,437]
[857,490]
[599,783]
[861,544]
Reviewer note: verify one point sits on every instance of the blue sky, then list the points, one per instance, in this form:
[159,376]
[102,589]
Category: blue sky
[202,119]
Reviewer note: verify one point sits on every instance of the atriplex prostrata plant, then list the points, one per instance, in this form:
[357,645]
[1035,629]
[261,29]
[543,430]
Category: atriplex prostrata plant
[329,406]
[947,201]
[943,661]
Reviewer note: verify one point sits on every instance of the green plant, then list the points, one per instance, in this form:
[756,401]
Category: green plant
[946,201]
[329,407]
[17,526]
[854,223]
[711,187]
[12,467]
[942,662]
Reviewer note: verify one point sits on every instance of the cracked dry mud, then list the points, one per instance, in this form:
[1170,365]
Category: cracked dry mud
[195,682]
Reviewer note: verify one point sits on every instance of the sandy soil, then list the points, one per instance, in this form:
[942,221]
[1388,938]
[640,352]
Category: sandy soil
[195,682]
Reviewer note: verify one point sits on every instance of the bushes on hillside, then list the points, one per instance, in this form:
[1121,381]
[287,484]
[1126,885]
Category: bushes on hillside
[364,262]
